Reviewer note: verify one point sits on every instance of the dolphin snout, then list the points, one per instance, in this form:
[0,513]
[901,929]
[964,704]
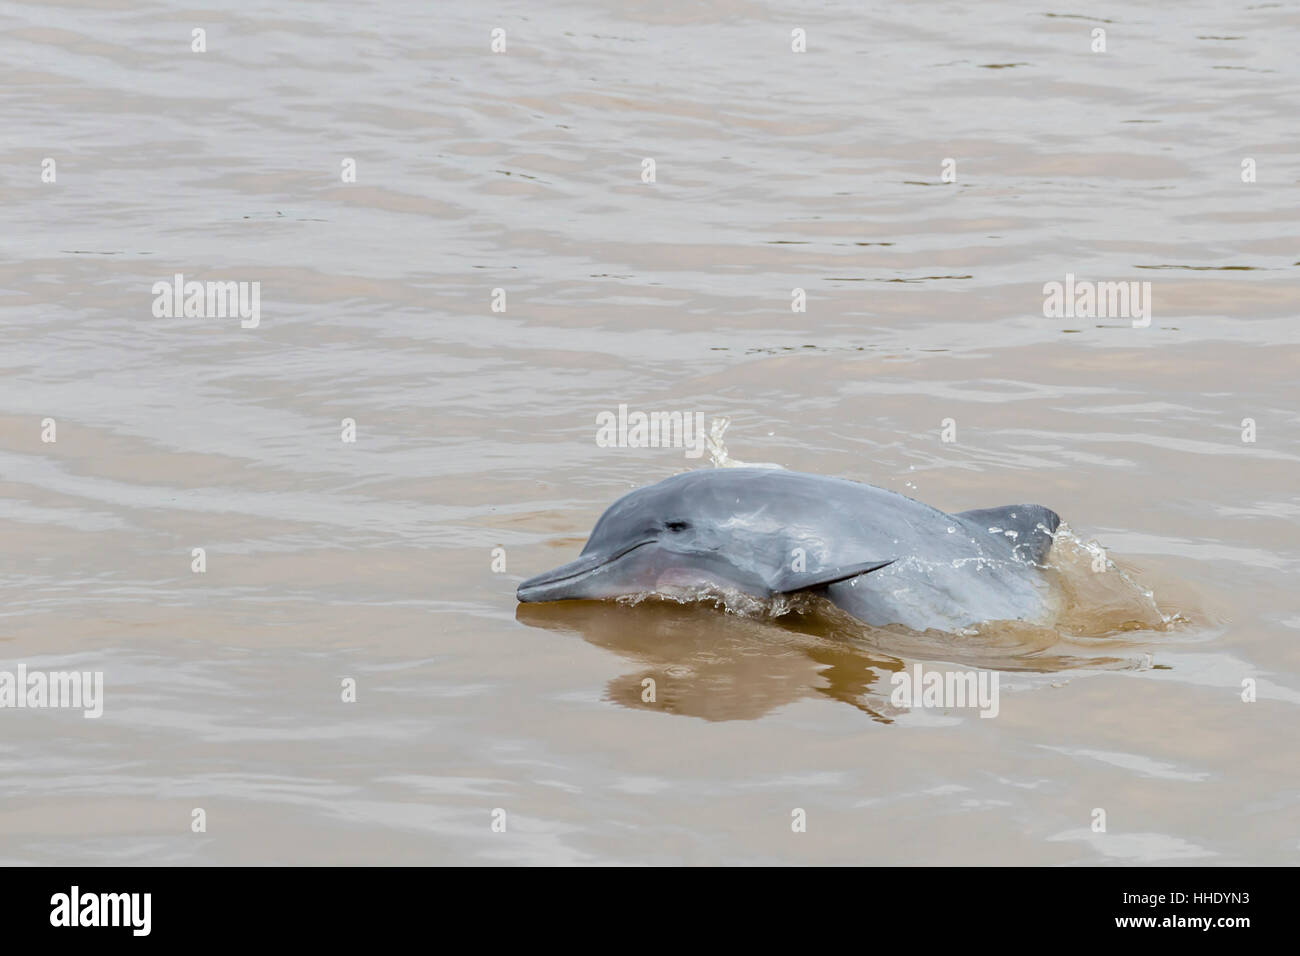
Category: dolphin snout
[559,584]
[585,578]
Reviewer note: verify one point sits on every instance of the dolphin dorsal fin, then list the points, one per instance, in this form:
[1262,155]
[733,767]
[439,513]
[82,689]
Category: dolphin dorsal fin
[1032,528]
[789,581]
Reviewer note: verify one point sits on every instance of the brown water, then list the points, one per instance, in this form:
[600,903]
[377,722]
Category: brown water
[475,429]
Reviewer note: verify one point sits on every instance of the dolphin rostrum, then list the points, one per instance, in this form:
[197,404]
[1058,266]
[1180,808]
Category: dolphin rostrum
[880,556]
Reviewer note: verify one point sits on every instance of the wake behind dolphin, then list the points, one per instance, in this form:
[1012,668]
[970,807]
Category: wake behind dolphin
[880,556]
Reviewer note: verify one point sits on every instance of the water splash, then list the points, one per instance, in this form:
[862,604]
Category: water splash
[731,600]
[1098,597]
[718,455]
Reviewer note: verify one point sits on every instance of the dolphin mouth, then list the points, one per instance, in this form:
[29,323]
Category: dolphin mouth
[568,581]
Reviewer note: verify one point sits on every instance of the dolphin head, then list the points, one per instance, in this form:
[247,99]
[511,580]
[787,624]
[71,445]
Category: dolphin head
[701,529]
[645,541]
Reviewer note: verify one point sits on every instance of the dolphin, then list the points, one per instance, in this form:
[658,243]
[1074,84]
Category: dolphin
[882,557]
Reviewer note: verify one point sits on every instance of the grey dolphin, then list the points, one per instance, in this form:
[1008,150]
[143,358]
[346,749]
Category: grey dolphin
[883,557]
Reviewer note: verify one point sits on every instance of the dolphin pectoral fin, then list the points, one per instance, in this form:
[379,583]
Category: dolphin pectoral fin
[1031,527]
[789,581]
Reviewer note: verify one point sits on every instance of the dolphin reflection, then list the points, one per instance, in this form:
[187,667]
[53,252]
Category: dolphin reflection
[721,667]
[738,667]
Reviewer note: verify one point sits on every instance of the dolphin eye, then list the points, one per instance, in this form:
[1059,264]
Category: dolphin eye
[676,526]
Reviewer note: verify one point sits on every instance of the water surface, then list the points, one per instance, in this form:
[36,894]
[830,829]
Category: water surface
[475,429]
